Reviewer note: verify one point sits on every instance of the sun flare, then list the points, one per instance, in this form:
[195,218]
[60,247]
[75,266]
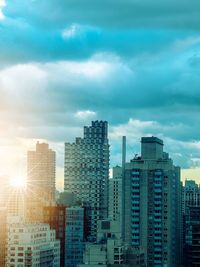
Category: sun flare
[18,182]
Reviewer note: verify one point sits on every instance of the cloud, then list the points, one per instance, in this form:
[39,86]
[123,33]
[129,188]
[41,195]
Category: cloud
[124,14]
[85,114]
[133,63]
[46,31]
[2,4]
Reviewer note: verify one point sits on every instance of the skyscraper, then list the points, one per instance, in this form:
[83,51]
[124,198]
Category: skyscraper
[41,168]
[153,204]
[87,171]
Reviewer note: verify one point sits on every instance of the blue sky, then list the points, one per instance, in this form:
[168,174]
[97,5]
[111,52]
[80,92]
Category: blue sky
[134,63]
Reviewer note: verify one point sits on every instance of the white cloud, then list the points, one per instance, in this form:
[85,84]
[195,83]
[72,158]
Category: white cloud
[85,114]
[70,32]
[2,4]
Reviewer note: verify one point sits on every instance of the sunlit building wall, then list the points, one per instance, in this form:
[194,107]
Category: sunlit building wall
[3,235]
[41,169]
[32,245]
[12,198]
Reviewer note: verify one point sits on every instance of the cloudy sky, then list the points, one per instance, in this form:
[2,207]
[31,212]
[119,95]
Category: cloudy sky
[135,63]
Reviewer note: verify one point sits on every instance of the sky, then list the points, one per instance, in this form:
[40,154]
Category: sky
[134,63]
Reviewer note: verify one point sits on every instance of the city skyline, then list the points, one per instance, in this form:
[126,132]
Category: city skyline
[133,64]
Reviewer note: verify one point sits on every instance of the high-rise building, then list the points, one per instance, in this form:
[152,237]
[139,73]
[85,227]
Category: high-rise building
[87,172]
[153,205]
[32,245]
[41,168]
[3,236]
[115,194]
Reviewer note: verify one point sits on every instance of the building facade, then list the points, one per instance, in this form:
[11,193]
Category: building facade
[74,236]
[192,236]
[115,194]
[110,250]
[3,236]
[87,172]
[68,223]
[41,171]
[153,205]
[32,245]
[190,195]
[55,216]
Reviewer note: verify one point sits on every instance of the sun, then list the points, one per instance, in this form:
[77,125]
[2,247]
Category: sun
[18,182]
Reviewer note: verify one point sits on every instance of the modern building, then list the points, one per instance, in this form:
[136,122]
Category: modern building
[87,172]
[153,205]
[3,236]
[74,236]
[32,245]
[41,169]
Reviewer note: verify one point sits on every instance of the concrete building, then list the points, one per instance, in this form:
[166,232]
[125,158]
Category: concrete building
[115,194]
[41,168]
[191,211]
[3,236]
[109,250]
[32,245]
[153,205]
[190,195]
[56,216]
[192,237]
[87,172]
[68,223]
